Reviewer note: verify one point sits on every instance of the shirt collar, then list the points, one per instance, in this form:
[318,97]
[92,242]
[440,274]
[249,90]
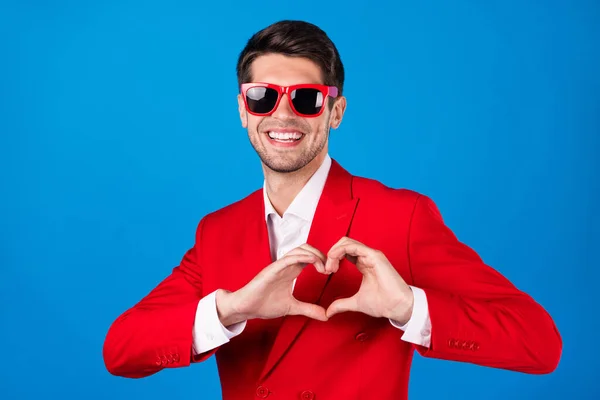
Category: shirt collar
[305,203]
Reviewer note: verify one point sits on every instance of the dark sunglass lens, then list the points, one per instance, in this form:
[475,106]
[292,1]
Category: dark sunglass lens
[261,100]
[307,101]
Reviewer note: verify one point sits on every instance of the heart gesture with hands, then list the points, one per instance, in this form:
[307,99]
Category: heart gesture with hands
[382,293]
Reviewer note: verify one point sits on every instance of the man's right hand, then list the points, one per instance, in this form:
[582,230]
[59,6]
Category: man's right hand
[269,294]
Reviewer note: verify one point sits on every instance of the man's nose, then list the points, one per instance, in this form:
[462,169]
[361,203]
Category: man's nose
[283,109]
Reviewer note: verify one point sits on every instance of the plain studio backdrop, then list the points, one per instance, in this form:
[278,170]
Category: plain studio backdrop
[119,131]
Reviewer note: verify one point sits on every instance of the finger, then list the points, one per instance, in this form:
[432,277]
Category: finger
[351,250]
[320,266]
[297,250]
[307,249]
[309,310]
[318,263]
[331,266]
[343,240]
[296,260]
[332,263]
[342,305]
[314,250]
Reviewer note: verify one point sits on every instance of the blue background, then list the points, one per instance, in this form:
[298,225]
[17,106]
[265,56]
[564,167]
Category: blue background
[111,152]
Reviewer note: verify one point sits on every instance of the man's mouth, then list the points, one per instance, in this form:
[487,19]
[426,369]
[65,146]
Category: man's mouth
[285,137]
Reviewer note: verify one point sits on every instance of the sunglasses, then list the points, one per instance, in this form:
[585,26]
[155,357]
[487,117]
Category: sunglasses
[306,100]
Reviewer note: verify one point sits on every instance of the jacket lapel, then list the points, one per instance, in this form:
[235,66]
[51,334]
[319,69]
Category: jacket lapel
[255,250]
[332,220]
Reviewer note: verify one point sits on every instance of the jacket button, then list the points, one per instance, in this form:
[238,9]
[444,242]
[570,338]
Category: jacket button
[361,337]
[262,392]
[307,395]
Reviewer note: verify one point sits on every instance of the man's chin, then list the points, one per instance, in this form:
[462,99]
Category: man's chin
[283,168]
[283,164]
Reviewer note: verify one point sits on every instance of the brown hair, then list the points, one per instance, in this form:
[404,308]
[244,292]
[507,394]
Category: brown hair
[295,39]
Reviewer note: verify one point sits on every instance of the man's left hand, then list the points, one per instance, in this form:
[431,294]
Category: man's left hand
[382,293]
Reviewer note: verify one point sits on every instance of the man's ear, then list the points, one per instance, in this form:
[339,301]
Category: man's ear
[242,111]
[337,112]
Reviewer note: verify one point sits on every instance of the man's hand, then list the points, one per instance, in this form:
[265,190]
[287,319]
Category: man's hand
[269,294]
[382,293]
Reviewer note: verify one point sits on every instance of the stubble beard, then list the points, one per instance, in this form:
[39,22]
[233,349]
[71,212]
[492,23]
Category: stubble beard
[287,162]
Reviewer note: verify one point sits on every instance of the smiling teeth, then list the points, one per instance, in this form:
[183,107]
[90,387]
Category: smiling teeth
[285,135]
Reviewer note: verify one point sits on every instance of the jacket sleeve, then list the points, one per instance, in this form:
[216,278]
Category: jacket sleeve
[477,315]
[156,333]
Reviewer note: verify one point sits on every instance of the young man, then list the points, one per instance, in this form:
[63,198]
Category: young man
[321,284]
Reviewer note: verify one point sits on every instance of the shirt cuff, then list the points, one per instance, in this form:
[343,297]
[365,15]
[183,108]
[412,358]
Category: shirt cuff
[208,332]
[418,328]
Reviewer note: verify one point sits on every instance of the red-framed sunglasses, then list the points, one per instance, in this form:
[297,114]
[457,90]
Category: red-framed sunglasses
[306,100]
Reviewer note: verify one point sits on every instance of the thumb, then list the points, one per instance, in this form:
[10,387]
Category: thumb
[309,310]
[342,305]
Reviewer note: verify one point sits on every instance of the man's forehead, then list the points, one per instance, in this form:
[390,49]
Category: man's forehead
[285,70]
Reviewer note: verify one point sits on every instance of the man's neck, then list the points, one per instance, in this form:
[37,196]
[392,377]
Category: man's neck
[282,188]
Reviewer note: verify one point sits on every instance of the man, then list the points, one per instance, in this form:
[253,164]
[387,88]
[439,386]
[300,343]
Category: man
[321,284]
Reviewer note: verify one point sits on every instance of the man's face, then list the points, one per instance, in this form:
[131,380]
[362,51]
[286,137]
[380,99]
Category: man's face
[283,155]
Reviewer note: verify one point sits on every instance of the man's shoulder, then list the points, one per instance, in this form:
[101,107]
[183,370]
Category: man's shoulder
[378,198]
[371,188]
[238,209]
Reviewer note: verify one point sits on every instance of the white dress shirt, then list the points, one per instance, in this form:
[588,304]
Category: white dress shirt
[285,234]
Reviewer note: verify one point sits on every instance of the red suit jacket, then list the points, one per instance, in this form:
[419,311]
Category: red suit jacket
[477,315]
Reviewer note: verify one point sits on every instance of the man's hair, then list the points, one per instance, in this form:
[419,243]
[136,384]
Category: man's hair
[295,39]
